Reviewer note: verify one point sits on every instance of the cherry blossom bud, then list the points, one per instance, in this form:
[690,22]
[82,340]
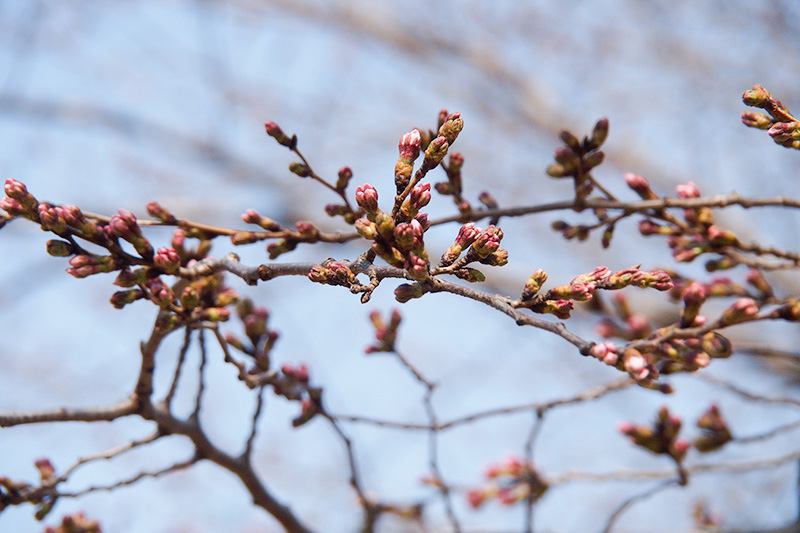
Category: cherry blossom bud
[534,283]
[128,278]
[252,217]
[418,198]
[58,248]
[570,140]
[367,198]
[74,217]
[452,126]
[488,241]
[307,230]
[299,374]
[281,247]
[366,229]
[345,174]
[693,298]
[688,190]
[122,298]
[599,133]
[300,169]
[403,237]
[86,265]
[215,314]
[476,498]
[757,120]
[488,200]
[406,292]
[471,275]
[417,267]
[16,190]
[189,298]
[160,293]
[52,219]
[423,220]
[466,236]
[155,210]
[648,227]
[640,185]
[309,408]
[498,258]
[390,254]
[274,131]
[635,364]
[559,308]
[742,310]
[409,146]
[720,237]
[756,278]
[434,154]
[756,97]
[167,259]
[716,433]
[716,345]
[14,208]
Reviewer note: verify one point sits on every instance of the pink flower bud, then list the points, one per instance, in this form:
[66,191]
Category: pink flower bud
[688,190]
[167,259]
[367,198]
[640,185]
[409,146]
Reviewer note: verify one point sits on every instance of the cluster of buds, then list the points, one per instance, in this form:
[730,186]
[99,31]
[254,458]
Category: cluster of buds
[293,384]
[19,492]
[397,240]
[84,265]
[124,226]
[18,202]
[385,334]
[189,255]
[632,361]
[715,431]
[167,259]
[779,123]
[450,125]
[559,300]
[205,298]
[332,273]
[76,523]
[576,159]
[261,338]
[661,438]
[417,198]
[482,245]
[698,236]
[511,481]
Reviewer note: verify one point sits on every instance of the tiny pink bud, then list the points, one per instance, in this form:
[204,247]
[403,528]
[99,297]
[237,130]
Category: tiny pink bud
[688,190]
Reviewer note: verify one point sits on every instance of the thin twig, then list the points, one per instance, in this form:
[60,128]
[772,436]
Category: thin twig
[248,449]
[108,454]
[181,358]
[141,475]
[638,497]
